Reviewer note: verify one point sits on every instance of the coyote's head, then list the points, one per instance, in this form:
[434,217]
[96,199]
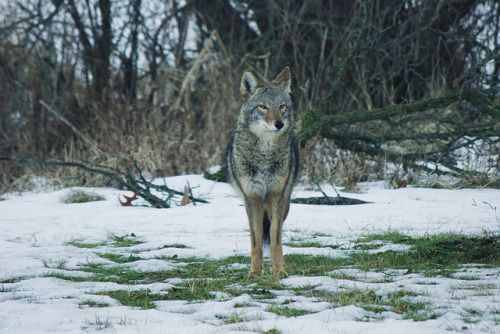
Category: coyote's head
[268,108]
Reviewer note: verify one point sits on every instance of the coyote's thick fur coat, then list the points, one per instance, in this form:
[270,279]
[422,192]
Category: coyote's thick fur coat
[262,162]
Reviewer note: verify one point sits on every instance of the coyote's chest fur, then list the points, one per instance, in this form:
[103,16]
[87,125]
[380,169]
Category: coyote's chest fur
[262,165]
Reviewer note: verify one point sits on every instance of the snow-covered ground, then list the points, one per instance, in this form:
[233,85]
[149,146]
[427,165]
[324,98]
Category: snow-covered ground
[38,232]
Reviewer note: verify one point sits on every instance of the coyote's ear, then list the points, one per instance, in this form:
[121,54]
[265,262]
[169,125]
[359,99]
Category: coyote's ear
[249,84]
[284,79]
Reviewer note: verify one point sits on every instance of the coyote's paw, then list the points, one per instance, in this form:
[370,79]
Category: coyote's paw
[279,272]
[255,273]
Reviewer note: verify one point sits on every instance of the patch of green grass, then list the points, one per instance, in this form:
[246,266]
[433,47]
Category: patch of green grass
[435,255]
[439,255]
[261,294]
[356,297]
[287,311]
[297,239]
[431,272]
[425,255]
[472,316]
[495,311]
[234,318]
[190,290]
[365,247]
[136,298]
[91,303]
[308,265]
[452,249]
[374,308]
[341,275]
[117,274]
[180,246]
[80,196]
[194,290]
[419,312]
[320,234]
[201,268]
[305,244]
[175,258]
[207,279]
[87,245]
[202,279]
[72,278]
[467,277]
[144,298]
[119,258]
[473,312]
[243,305]
[381,261]
[394,237]
[386,279]
[272,331]
[288,301]
[402,294]
[400,302]
[125,241]
[425,283]
[474,287]
[471,320]
[300,290]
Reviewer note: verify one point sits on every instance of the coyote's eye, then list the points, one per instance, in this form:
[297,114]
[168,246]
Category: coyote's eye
[262,106]
[282,107]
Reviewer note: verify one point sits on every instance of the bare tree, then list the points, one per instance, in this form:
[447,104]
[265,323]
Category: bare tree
[96,41]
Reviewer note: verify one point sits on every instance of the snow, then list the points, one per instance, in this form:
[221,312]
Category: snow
[38,230]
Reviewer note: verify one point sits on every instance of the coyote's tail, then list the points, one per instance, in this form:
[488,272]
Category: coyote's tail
[266,236]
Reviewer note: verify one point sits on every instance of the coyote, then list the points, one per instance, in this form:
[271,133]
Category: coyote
[262,162]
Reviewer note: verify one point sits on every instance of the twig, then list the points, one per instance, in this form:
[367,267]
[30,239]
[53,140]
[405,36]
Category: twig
[319,187]
[334,188]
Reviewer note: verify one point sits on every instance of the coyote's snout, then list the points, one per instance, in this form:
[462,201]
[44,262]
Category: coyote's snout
[262,160]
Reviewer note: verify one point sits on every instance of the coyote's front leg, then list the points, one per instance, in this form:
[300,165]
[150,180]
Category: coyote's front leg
[255,212]
[277,205]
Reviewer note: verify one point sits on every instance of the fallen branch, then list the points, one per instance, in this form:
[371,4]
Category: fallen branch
[124,178]
[428,130]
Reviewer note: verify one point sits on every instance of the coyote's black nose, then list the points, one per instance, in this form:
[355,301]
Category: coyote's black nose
[279,125]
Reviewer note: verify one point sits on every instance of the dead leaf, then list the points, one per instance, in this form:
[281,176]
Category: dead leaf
[128,200]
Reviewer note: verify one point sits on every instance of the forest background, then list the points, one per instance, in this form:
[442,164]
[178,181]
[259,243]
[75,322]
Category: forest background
[382,89]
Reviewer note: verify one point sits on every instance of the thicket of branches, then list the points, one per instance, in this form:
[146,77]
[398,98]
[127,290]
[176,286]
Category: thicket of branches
[156,81]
